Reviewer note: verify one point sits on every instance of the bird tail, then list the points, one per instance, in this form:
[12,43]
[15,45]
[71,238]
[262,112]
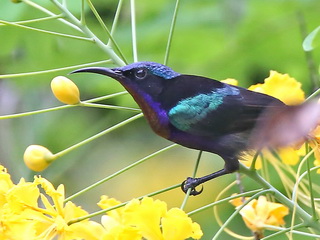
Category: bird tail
[285,125]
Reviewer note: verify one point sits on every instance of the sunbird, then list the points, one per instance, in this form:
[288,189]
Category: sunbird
[209,115]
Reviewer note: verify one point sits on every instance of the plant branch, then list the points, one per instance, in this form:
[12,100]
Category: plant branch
[86,31]
[36,6]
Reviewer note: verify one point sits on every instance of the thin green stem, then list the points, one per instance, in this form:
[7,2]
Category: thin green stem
[173,24]
[116,18]
[34,20]
[133,30]
[24,114]
[103,211]
[46,11]
[75,146]
[285,230]
[83,14]
[255,157]
[119,172]
[105,28]
[46,32]
[15,75]
[313,207]
[312,66]
[245,194]
[107,49]
[313,95]
[295,189]
[64,3]
[96,105]
[184,202]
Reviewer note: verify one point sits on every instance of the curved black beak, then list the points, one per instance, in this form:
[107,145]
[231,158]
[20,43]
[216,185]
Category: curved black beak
[114,73]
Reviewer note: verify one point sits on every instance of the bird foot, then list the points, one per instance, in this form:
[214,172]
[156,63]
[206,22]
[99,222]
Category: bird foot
[191,183]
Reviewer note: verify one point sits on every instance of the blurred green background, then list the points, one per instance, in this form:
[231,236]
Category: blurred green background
[218,39]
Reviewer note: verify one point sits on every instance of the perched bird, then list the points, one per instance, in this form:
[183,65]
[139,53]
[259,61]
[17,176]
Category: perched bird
[205,114]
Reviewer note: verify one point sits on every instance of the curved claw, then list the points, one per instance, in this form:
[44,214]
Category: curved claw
[194,192]
[191,183]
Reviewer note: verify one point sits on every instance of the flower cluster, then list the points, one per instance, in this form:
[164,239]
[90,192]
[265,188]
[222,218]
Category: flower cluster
[43,213]
[149,219]
[260,213]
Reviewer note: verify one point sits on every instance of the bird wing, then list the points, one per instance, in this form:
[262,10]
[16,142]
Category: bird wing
[221,109]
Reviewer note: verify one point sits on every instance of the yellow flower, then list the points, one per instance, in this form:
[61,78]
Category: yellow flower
[230,81]
[5,185]
[113,222]
[314,143]
[281,86]
[52,220]
[177,225]
[149,219]
[37,157]
[65,90]
[289,155]
[18,200]
[21,217]
[136,213]
[259,213]
[14,220]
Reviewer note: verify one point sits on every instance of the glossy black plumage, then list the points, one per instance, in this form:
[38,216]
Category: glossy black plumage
[199,112]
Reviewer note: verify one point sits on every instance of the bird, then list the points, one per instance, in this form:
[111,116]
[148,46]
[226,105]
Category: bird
[208,115]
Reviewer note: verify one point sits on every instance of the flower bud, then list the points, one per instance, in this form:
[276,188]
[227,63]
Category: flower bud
[37,157]
[16,1]
[65,90]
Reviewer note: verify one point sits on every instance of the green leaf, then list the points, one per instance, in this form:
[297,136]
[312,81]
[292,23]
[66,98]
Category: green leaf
[312,40]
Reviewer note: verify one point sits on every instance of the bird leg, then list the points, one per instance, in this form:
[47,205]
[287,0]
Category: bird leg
[192,183]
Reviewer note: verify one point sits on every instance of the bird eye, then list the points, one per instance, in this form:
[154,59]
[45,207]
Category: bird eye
[141,73]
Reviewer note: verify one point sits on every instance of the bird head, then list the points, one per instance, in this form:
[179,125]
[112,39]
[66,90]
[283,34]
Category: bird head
[141,79]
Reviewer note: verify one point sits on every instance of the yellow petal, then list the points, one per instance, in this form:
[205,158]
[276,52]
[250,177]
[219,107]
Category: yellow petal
[249,216]
[145,215]
[88,230]
[5,184]
[176,225]
[17,198]
[65,90]
[289,156]
[230,81]
[238,201]
[37,157]
[106,202]
[258,213]
[281,86]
